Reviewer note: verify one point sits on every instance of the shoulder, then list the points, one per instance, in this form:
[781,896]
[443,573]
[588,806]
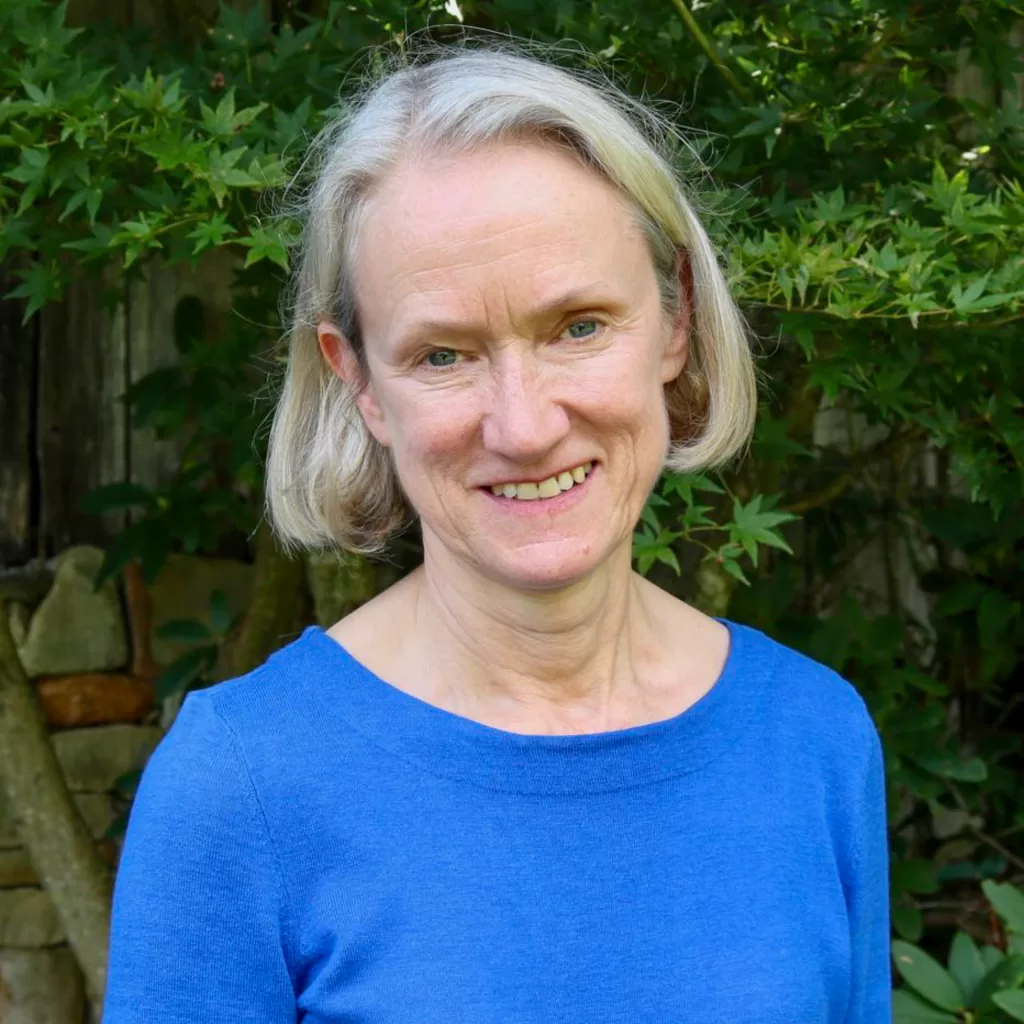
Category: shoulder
[806,700]
[265,706]
[260,723]
[813,735]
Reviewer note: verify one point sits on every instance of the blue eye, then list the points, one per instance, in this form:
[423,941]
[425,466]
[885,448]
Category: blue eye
[582,329]
[442,358]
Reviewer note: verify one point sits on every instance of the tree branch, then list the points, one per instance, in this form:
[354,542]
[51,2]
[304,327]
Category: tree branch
[47,821]
[857,463]
[710,51]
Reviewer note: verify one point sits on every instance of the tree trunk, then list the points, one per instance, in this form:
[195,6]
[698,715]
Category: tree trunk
[714,588]
[278,592]
[47,821]
[339,582]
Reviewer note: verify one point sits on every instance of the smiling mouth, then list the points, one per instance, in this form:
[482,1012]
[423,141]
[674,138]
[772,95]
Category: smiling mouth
[549,488]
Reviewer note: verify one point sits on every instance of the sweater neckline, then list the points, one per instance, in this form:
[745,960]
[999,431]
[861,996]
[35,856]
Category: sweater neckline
[451,746]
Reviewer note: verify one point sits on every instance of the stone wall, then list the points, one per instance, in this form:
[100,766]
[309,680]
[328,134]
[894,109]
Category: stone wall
[93,658]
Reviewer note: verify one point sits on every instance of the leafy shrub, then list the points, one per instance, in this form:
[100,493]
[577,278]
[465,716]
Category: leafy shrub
[980,986]
[869,208]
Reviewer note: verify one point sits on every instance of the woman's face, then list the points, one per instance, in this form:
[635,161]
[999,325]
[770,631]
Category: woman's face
[514,337]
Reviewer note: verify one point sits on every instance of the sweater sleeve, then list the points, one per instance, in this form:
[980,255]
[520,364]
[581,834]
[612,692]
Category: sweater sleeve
[195,932]
[868,895]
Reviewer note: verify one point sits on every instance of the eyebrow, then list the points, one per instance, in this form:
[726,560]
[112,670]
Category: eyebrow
[575,298]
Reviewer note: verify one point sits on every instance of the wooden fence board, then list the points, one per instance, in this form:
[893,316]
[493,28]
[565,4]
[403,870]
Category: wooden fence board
[153,461]
[81,418]
[17,398]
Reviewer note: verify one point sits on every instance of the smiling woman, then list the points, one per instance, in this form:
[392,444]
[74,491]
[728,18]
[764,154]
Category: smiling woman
[523,783]
[499,108]
[488,258]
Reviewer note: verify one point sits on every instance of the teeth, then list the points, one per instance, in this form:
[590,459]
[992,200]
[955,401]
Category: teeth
[546,488]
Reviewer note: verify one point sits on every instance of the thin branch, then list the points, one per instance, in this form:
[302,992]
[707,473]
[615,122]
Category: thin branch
[857,464]
[710,51]
[977,832]
[896,314]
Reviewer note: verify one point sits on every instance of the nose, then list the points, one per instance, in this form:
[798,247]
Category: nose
[522,420]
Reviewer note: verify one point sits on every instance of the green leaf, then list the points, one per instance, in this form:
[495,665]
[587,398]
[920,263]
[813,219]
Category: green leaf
[668,557]
[991,957]
[751,525]
[959,598]
[265,243]
[927,976]
[141,540]
[114,497]
[914,876]
[183,631]
[212,232]
[766,120]
[36,95]
[966,965]
[972,770]
[963,298]
[731,566]
[1008,901]
[785,283]
[220,613]
[1007,974]
[237,178]
[908,1008]
[218,122]
[182,671]
[684,484]
[243,117]
[1011,1003]
[32,165]
[76,200]
[649,548]
[41,283]
[696,515]
[908,922]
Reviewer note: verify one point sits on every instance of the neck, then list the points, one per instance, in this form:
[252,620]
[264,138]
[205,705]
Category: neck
[554,656]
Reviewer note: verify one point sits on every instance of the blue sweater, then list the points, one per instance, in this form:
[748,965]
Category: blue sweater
[309,843]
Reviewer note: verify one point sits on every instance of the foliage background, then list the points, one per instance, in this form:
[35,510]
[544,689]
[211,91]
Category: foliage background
[866,197]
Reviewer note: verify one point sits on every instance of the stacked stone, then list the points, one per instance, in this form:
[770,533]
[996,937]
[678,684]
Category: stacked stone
[104,723]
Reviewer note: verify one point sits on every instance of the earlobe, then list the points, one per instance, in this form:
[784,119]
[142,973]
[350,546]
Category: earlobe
[373,416]
[342,360]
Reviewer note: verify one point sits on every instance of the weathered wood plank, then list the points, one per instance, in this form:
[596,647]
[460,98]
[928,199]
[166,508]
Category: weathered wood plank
[154,461]
[81,418]
[17,398]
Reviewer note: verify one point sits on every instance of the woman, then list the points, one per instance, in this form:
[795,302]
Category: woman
[522,784]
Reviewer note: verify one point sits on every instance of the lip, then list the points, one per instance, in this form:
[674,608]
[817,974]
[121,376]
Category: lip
[542,506]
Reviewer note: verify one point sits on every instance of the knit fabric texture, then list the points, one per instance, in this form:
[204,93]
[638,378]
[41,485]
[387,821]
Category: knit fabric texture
[309,843]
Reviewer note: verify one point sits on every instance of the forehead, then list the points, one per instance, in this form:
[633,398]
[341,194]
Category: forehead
[521,219]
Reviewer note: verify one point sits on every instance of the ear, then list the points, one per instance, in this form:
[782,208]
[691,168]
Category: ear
[342,360]
[677,345]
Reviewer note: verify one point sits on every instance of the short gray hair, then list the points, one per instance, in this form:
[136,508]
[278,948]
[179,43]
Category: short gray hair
[329,483]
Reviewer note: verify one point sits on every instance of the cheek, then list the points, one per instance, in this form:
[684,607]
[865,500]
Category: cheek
[626,391]
[430,429]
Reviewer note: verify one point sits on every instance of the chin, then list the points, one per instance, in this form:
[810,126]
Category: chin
[542,567]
